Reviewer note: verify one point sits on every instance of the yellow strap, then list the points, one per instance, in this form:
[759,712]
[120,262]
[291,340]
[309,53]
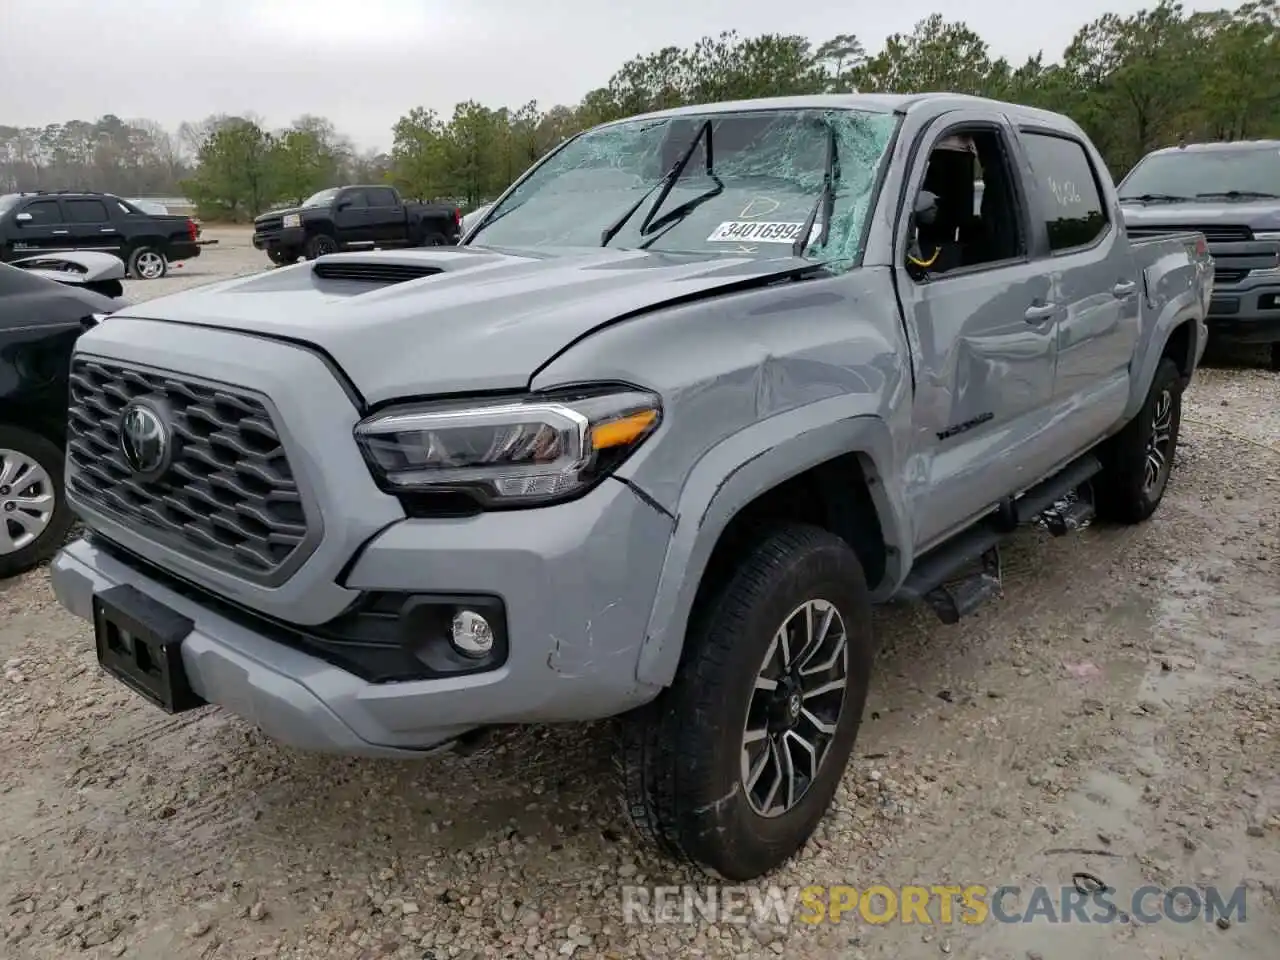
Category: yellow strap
[925,263]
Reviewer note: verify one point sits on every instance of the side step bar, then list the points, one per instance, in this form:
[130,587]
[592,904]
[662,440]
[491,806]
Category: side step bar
[938,577]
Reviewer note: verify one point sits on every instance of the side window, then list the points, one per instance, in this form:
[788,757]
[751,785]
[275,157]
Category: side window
[966,210]
[1068,185]
[43,212]
[354,199]
[87,211]
[382,197]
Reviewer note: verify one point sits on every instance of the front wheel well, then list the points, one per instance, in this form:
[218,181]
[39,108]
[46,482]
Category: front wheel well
[835,495]
[1181,347]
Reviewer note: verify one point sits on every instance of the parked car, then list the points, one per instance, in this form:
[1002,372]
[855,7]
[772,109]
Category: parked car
[1230,192]
[65,221]
[45,304]
[342,218]
[685,438]
[474,217]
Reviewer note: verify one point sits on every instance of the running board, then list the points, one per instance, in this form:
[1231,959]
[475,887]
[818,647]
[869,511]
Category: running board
[939,577]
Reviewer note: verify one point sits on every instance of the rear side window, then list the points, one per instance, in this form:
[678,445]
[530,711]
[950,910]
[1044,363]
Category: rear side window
[382,197]
[1074,211]
[44,211]
[86,211]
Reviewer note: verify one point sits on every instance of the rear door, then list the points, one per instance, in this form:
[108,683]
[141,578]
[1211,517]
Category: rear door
[40,227]
[351,217]
[1095,283]
[91,225]
[386,216]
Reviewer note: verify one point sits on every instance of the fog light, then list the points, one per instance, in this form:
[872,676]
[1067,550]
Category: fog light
[472,635]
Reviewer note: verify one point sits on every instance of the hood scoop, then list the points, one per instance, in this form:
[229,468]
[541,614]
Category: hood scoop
[382,273]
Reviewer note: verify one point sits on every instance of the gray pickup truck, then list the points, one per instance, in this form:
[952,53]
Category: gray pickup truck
[1230,192]
[726,377]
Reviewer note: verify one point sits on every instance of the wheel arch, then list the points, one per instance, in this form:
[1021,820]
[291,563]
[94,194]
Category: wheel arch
[830,475]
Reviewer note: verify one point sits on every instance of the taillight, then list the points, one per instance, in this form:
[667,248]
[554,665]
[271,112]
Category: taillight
[192,230]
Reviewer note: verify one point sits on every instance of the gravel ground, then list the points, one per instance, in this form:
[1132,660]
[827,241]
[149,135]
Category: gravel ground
[1116,713]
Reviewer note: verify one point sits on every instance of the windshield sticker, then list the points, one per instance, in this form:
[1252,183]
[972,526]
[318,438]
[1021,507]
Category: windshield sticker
[759,231]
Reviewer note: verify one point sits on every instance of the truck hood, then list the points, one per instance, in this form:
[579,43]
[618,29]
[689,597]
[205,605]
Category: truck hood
[482,319]
[1258,215]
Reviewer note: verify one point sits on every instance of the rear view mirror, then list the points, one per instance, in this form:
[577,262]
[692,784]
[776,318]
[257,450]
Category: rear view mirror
[926,210]
[23,218]
[343,205]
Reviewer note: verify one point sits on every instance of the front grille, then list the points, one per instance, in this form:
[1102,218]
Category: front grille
[1217,233]
[229,496]
[267,224]
[1229,276]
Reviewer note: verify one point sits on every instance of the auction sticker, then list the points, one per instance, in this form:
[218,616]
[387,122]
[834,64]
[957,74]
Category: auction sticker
[759,231]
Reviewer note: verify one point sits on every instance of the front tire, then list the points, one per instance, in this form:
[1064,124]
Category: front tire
[281,256]
[320,245]
[1138,460]
[734,766]
[34,516]
[147,263]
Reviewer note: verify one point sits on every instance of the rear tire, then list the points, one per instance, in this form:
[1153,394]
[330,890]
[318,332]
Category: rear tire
[433,240]
[320,245]
[1138,460]
[698,763]
[32,528]
[147,263]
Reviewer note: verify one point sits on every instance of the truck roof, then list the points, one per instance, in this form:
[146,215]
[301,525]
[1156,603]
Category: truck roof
[1221,146]
[932,103]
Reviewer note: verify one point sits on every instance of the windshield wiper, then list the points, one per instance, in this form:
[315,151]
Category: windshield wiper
[665,185]
[489,219]
[826,199]
[1155,197]
[1239,195]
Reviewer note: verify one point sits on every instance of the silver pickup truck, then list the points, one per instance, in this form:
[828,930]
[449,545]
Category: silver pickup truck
[698,390]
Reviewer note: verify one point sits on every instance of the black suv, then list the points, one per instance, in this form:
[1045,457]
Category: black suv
[34,224]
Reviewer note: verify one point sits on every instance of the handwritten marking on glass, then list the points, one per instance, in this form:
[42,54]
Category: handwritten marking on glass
[1065,192]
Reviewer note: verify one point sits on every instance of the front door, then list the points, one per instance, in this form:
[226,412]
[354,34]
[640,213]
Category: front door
[39,227]
[1095,281]
[980,316]
[351,217]
[386,216]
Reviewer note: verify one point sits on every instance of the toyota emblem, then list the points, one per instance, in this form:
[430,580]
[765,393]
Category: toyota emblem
[145,439]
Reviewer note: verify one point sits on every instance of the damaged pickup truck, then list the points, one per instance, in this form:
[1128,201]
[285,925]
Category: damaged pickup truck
[727,376]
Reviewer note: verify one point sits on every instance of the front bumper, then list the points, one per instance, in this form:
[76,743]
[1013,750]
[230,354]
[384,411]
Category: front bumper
[285,237]
[1249,311]
[577,581]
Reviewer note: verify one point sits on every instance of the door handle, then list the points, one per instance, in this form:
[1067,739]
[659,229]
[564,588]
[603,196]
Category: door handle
[61,233]
[1039,312]
[1124,288]
[107,230]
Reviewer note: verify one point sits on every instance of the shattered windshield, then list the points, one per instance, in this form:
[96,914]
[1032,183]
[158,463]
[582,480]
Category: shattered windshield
[1202,174]
[766,175]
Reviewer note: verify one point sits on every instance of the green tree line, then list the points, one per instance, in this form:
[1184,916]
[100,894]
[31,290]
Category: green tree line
[1133,82]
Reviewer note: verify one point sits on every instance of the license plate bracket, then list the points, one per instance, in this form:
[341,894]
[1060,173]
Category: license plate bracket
[139,642]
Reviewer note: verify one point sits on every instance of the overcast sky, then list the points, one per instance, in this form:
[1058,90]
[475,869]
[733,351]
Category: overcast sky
[364,63]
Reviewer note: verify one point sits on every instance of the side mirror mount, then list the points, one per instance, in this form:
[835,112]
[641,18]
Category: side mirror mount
[926,209]
[342,205]
[23,218]
[923,214]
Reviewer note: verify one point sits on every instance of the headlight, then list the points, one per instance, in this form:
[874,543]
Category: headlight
[292,220]
[1267,235]
[530,451]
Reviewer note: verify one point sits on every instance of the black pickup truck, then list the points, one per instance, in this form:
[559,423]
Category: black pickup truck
[350,217]
[35,224]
